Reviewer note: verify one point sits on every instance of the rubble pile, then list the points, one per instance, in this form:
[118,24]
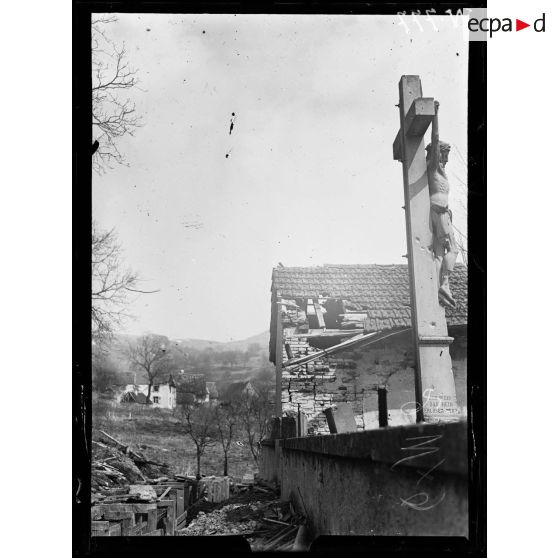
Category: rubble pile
[257,514]
[115,467]
[134,496]
[218,523]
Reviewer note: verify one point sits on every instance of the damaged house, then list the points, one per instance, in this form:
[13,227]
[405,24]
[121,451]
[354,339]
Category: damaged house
[339,333]
[237,390]
[163,394]
[193,389]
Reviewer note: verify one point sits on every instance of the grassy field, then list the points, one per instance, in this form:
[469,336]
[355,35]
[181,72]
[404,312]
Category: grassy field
[158,434]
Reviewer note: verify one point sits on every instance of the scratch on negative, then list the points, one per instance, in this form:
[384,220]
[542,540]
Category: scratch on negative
[419,446]
[430,470]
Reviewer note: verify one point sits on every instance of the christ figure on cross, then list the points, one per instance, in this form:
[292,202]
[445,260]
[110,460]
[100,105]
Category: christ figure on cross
[444,245]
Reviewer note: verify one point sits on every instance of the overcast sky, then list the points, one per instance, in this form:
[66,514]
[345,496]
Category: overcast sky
[310,177]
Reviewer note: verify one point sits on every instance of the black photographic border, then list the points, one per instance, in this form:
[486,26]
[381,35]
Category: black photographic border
[380,546]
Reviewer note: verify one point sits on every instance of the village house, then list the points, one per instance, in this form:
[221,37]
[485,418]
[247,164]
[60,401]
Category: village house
[237,390]
[343,332]
[193,389]
[163,395]
[212,390]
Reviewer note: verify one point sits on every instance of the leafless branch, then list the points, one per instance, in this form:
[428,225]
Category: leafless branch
[114,115]
[110,284]
[198,422]
[149,355]
[255,412]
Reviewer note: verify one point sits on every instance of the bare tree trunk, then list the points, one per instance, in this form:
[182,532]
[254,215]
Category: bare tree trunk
[149,391]
[226,465]
[198,459]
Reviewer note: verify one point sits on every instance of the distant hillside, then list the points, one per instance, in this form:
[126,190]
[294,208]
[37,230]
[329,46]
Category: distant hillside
[261,339]
[232,360]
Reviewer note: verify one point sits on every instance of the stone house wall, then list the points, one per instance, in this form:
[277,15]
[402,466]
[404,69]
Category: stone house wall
[352,376]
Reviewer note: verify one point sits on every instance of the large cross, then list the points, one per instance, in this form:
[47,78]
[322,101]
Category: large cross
[434,382]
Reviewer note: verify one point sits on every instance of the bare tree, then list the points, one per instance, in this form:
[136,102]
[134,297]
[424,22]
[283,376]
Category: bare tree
[226,419]
[105,372]
[114,114]
[111,285]
[255,411]
[198,421]
[149,355]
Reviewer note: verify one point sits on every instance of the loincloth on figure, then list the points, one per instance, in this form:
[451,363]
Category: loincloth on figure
[442,228]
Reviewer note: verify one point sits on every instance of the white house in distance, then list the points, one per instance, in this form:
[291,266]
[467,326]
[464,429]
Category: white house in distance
[163,395]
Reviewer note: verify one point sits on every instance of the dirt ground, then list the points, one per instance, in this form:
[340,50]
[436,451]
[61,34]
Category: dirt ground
[160,437]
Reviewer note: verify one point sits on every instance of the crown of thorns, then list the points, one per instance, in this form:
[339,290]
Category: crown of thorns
[442,144]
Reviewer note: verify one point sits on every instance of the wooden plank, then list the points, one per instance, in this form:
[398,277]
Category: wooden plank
[151,520]
[138,528]
[136,508]
[118,515]
[127,520]
[173,496]
[127,525]
[180,506]
[181,519]
[328,333]
[278,359]
[115,530]
[166,504]
[277,521]
[319,313]
[100,527]
[171,520]
[171,515]
[124,446]
[167,490]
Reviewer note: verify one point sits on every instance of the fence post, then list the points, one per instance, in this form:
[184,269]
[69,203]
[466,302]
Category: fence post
[382,406]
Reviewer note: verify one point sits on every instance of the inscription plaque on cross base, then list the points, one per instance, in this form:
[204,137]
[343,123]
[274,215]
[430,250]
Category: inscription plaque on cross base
[434,381]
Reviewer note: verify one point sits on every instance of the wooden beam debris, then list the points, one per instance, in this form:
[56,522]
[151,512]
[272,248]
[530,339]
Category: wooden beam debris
[319,313]
[170,506]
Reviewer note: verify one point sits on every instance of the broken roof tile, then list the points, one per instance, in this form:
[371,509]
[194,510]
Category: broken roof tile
[383,290]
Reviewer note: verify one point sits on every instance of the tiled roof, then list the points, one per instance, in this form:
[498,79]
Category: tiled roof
[382,290]
[236,389]
[130,397]
[194,385]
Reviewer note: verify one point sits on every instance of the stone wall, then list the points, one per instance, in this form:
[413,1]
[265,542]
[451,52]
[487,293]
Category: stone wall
[352,376]
[374,482]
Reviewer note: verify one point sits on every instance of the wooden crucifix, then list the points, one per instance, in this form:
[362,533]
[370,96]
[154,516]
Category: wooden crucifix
[434,382]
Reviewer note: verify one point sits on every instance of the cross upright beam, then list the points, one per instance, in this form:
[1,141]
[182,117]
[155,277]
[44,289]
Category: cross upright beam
[434,382]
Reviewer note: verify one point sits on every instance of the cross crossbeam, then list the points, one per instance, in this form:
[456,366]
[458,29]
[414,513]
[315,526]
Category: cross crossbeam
[417,120]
